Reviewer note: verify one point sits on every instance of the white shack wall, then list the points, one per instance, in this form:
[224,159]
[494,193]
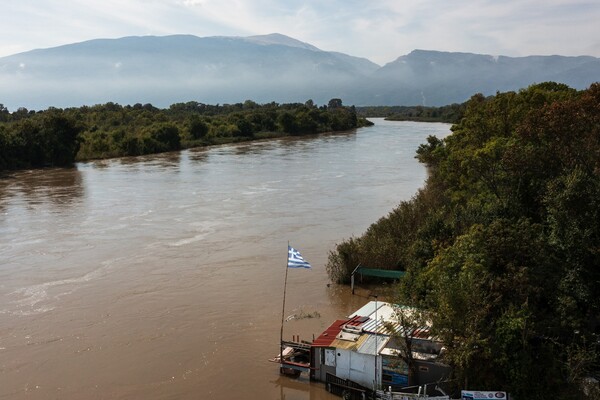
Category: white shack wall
[324,359]
[357,367]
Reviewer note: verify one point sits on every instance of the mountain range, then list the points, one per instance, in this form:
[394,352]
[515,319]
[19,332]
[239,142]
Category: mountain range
[163,70]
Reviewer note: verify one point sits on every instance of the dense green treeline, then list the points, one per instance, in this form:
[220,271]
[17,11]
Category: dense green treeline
[57,137]
[502,245]
[451,113]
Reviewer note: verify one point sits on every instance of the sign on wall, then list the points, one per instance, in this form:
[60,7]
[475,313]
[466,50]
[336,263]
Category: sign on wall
[330,357]
[395,371]
[479,395]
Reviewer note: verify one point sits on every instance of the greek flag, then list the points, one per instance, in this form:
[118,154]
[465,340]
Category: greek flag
[295,260]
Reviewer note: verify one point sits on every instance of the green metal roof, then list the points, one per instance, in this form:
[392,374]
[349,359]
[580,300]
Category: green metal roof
[380,273]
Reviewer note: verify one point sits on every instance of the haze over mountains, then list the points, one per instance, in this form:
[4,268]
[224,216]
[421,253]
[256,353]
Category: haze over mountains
[169,69]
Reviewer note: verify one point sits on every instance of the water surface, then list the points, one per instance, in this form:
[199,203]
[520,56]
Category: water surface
[161,277]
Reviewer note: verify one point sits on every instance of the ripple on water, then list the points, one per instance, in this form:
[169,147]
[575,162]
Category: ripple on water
[43,297]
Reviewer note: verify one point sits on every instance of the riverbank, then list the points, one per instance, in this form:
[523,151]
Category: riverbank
[57,137]
[448,114]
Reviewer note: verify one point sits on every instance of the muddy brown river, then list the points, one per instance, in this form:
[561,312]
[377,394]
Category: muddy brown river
[161,277]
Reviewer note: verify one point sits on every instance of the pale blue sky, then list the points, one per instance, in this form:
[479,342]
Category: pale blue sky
[380,30]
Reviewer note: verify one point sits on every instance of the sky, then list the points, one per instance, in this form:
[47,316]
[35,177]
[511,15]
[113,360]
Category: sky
[380,30]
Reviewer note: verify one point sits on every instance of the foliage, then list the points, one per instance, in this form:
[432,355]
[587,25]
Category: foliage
[57,137]
[502,246]
[451,113]
[49,139]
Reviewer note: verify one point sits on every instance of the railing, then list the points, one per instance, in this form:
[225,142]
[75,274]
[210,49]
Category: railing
[347,389]
[382,395]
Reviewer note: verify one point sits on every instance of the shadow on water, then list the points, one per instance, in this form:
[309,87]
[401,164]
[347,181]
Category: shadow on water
[198,155]
[291,143]
[301,389]
[164,161]
[316,139]
[58,186]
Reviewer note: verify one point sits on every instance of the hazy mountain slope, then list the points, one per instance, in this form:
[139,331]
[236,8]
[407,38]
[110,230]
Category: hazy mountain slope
[278,38]
[163,70]
[438,78]
[168,69]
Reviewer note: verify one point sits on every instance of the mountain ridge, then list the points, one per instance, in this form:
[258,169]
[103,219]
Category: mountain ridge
[226,69]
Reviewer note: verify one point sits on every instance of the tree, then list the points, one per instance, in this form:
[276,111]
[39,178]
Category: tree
[489,304]
[409,321]
[429,153]
[502,246]
[197,128]
[4,113]
[287,121]
[168,136]
[334,103]
[61,137]
[245,127]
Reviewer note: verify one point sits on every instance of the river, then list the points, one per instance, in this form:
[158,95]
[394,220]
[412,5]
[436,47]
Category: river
[161,277]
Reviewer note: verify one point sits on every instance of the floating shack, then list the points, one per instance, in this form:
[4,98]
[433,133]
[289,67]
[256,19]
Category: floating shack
[362,352]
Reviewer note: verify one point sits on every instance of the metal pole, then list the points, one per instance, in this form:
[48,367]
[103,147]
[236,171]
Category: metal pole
[352,278]
[376,340]
[283,311]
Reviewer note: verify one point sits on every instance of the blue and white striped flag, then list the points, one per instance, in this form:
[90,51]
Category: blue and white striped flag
[295,260]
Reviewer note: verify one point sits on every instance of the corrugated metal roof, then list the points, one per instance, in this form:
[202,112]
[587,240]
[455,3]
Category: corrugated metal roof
[379,327]
[348,344]
[381,309]
[366,344]
[328,336]
[366,310]
[370,330]
[381,313]
[357,320]
[373,344]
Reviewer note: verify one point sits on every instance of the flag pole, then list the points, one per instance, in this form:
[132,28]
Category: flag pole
[283,310]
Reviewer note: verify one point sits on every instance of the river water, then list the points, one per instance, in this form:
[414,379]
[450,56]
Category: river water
[161,277]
